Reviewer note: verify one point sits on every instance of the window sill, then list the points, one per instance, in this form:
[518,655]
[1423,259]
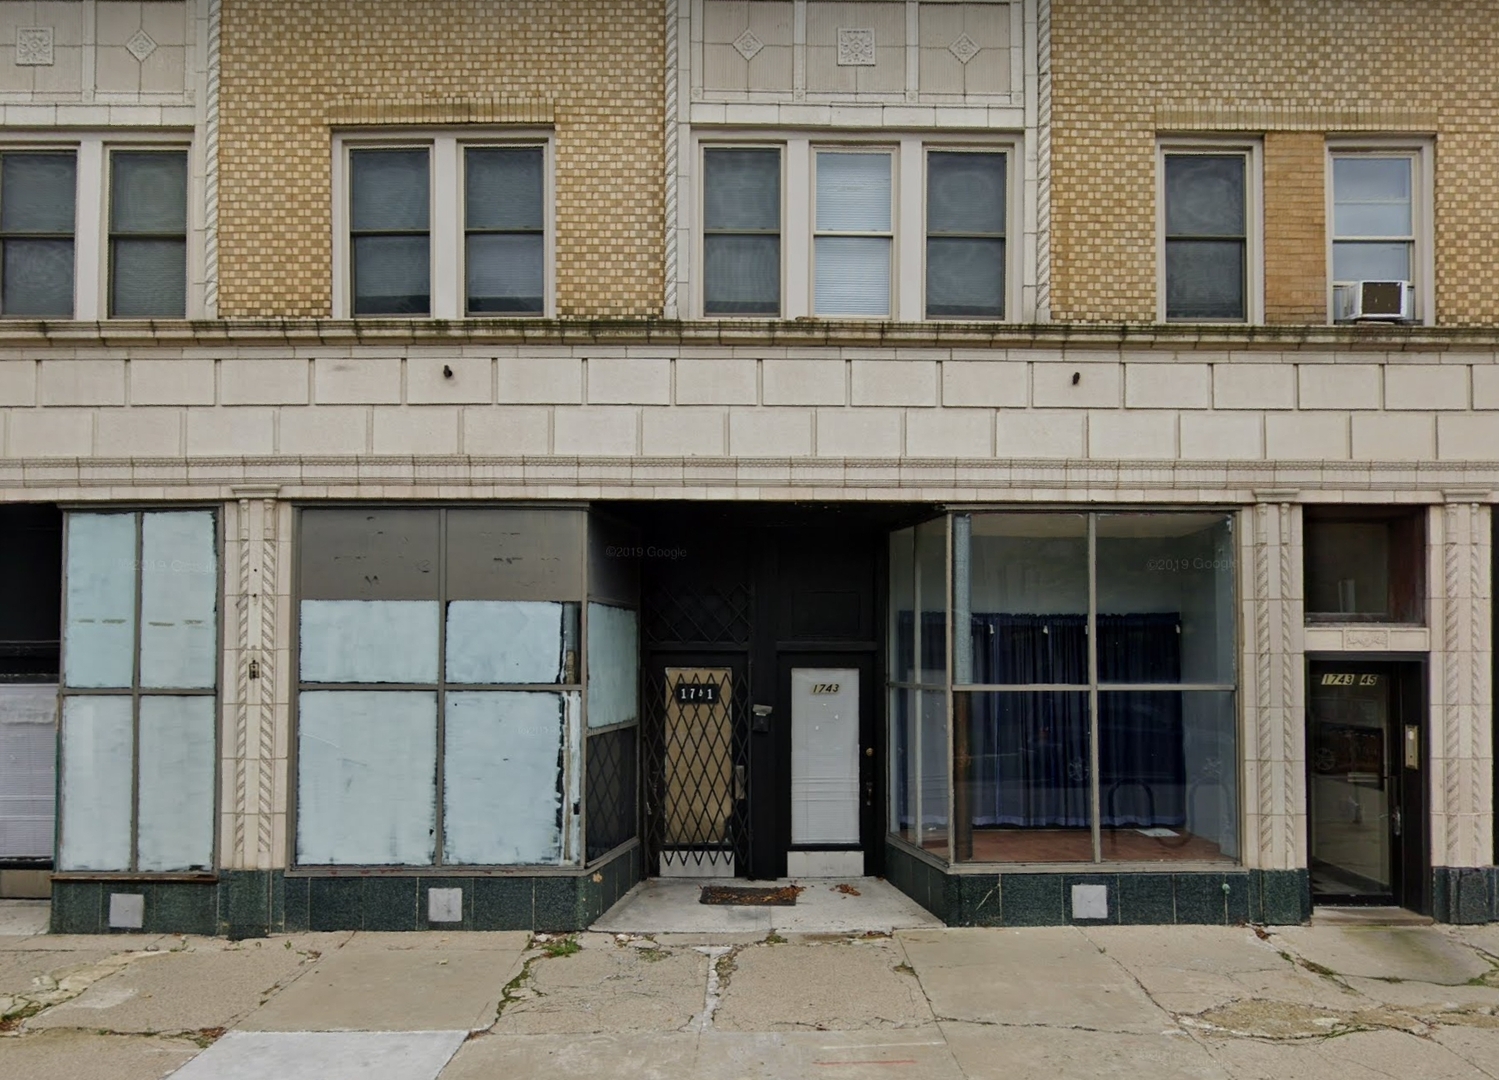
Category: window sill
[206,877]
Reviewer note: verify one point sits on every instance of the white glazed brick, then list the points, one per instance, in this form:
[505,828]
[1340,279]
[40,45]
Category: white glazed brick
[602,431]
[1338,386]
[17,382]
[471,381]
[1166,386]
[804,382]
[1254,386]
[1467,437]
[417,429]
[263,382]
[1306,436]
[147,432]
[314,430]
[1425,386]
[507,430]
[362,381]
[171,382]
[962,433]
[682,431]
[1141,434]
[784,432]
[236,432]
[1038,433]
[37,433]
[1486,386]
[1394,437]
[1098,385]
[81,382]
[894,382]
[717,382]
[628,380]
[1221,436]
[988,384]
[546,380]
[859,433]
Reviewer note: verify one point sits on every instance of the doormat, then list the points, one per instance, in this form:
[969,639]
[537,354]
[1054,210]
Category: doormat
[783,896]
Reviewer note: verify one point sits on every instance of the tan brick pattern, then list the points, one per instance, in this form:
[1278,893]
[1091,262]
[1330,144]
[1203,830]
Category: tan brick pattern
[1124,73]
[293,71]
[1295,227]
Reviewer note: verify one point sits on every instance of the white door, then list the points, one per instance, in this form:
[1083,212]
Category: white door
[824,769]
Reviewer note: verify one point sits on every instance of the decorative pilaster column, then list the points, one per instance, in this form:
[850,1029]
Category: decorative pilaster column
[256,687]
[1273,747]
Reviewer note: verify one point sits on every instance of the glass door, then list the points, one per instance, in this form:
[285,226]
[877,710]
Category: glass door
[1366,815]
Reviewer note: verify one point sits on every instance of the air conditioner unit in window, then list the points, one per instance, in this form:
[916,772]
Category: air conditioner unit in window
[1382,301]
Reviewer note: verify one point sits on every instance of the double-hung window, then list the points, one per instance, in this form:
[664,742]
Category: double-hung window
[1379,225]
[92,229]
[845,229]
[444,227]
[1206,244]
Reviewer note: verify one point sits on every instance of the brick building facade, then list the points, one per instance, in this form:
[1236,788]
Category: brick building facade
[566,408]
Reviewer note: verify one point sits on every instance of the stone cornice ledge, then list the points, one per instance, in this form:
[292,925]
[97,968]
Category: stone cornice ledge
[808,333]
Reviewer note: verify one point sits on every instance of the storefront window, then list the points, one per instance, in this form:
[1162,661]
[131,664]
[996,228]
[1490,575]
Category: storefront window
[1093,694]
[140,676]
[919,752]
[443,669]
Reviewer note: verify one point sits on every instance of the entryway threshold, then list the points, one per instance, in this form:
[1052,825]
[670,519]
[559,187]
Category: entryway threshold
[1368,916]
[851,905]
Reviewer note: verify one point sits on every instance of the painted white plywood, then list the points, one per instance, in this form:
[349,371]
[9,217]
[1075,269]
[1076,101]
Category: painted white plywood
[176,785]
[505,641]
[369,641]
[613,665]
[179,597]
[99,637]
[824,755]
[366,777]
[28,770]
[97,766]
[502,803]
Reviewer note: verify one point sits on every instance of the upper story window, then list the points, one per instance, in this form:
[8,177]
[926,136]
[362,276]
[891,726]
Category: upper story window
[90,228]
[843,229]
[1379,225]
[443,227]
[1208,256]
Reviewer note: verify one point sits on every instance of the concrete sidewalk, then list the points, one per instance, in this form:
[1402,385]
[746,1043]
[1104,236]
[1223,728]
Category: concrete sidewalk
[1099,1001]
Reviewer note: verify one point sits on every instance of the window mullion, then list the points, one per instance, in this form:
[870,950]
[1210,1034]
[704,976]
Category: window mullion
[89,239]
[449,296]
[1095,792]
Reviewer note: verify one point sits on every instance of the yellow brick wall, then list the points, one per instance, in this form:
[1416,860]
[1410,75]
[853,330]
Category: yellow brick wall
[1125,72]
[1296,245]
[294,71]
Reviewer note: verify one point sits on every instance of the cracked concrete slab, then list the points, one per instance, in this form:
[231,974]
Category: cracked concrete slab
[1044,975]
[89,1055]
[907,1054]
[398,982]
[210,984]
[1059,1053]
[607,986]
[1425,954]
[1479,1048]
[24,918]
[20,971]
[843,986]
[1372,1055]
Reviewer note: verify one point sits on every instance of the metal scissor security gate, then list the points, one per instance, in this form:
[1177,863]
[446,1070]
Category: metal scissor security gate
[696,737]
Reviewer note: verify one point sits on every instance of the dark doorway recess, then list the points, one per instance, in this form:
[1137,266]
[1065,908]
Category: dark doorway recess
[1367,762]
[733,595]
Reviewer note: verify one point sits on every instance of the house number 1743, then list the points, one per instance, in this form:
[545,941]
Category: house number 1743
[825,687]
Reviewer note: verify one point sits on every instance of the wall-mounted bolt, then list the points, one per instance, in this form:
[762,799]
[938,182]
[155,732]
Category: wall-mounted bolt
[1077,377]
[447,372]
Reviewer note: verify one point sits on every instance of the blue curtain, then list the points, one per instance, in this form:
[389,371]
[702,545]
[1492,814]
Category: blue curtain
[1030,750]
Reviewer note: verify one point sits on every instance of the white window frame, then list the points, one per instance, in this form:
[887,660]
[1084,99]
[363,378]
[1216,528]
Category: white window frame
[908,193]
[1423,212]
[445,217]
[1252,151]
[91,209]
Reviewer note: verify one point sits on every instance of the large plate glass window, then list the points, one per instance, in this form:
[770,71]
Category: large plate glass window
[966,207]
[1206,235]
[742,231]
[1093,687]
[148,234]
[853,233]
[140,676]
